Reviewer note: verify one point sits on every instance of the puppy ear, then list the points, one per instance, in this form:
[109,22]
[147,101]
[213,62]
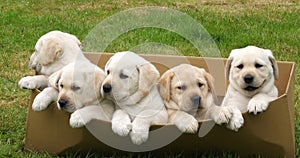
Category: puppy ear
[228,63]
[273,62]
[50,51]
[54,79]
[210,81]
[148,76]
[228,67]
[107,64]
[164,85]
[99,78]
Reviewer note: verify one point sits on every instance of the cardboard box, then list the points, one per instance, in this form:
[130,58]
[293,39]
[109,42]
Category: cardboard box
[270,133]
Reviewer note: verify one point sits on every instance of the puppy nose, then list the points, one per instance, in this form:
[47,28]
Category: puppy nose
[62,103]
[248,79]
[107,88]
[196,100]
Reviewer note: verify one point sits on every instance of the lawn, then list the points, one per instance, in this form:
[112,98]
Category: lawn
[231,23]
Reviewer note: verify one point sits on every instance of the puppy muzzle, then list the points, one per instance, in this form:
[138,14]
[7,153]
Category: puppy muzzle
[107,88]
[62,103]
[196,101]
[251,88]
[248,79]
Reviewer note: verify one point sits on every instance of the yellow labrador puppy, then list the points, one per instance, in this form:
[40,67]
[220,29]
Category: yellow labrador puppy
[251,72]
[52,51]
[189,96]
[79,86]
[131,83]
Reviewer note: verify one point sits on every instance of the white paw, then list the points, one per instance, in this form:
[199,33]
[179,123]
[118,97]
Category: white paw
[28,83]
[121,128]
[187,124]
[41,102]
[236,121]
[256,106]
[139,136]
[222,115]
[76,120]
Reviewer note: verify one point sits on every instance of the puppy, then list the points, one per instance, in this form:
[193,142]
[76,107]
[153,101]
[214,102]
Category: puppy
[251,72]
[189,95]
[52,51]
[131,83]
[79,86]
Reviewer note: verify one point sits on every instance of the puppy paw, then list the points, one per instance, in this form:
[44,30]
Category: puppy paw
[222,115]
[187,124]
[256,106]
[76,121]
[28,83]
[41,102]
[236,121]
[121,128]
[139,136]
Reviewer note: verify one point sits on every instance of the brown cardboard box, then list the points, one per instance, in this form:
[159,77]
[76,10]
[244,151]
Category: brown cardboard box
[270,133]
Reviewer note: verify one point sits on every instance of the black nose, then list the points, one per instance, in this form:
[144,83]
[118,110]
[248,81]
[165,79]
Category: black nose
[62,103]
[196,100]
[107,88]
[248,79]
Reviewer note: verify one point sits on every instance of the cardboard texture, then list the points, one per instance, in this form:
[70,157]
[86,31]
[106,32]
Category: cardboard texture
[270,133]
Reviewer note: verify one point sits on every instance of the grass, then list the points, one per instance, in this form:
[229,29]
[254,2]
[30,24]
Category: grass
[231,23]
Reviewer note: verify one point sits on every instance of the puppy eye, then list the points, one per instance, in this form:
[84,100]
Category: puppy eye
[75,88]
[241,66]
[61,86]
[181,87]
[258,65]
[107,72]
[200,84]
[123,76]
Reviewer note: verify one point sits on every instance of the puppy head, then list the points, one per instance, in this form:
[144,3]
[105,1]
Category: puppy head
[188,86]
[128,73]
[50,48]
[250,69]
[78,85]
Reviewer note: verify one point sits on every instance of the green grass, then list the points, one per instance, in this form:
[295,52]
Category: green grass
[231,23]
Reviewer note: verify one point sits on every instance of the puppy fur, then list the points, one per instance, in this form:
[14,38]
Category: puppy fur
[79,86]
[251,72]
[52,51]
[189,95]
[131,83]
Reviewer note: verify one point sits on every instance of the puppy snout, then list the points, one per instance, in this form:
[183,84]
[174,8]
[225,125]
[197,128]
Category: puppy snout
[248,79]
[62,103]
[107,88]
[196,100]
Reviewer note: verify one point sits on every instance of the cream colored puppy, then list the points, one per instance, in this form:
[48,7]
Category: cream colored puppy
[52,51]
[79,86]
[251,72]
[189,96]
[131,83]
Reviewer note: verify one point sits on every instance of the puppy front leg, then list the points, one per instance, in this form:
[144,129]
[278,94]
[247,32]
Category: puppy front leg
[83,116]
[143,121]
[219,114]
[140,130]
[236,104]
[259,103]
[33,82]
[121,123]
[184,122]
[44,99]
